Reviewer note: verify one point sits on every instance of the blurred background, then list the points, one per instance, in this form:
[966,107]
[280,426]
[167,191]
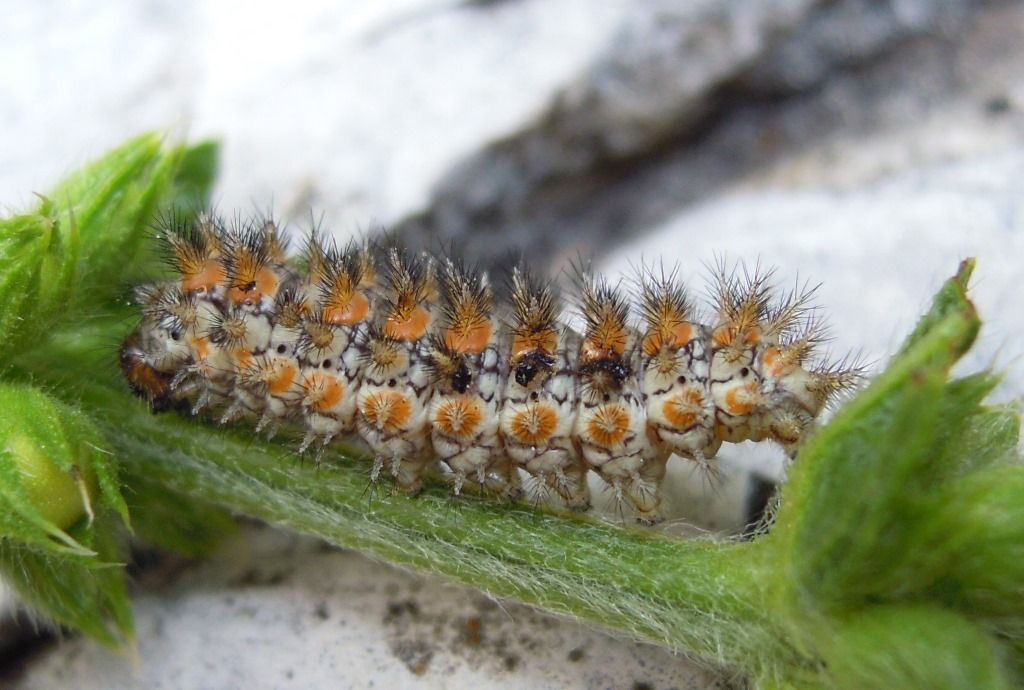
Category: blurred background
[867,144]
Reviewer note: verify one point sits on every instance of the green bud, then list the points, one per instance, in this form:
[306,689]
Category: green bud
[55,476]
[62,498]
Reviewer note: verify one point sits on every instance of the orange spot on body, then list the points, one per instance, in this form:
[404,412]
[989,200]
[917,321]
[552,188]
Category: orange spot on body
[723,336]
[471,339]
[545,340]
[285,372]
[407,326]
[740,400]
[386,411]
[534,425]
[458,416]
[242,358]
[674,337]
[683,410]
[210,273]
[773,363]
[323,391]
[200,346]
[263,283]
[608,425]
[602,348]
[350,313]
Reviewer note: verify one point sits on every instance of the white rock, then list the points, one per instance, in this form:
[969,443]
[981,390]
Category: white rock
[277,611]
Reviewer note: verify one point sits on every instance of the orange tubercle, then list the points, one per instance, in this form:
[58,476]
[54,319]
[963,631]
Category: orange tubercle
[323,391]
[264,283]
[682,410]
[741,399]
[472,339]
[349,313]
[458,417]
[409,326]
[534,425]
[152,384]
[284,374]
[722,337]
[545,341]
[386,411]
[773,362]
[602,348]
[200,346]
[674,337]
[207,277]
[242,358]
[608,425]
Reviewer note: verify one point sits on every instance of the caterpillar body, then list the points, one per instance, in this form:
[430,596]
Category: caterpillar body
[413,355]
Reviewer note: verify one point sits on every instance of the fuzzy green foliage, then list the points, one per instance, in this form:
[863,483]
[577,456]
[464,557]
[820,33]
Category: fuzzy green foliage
[896,559]
[63,510]
[63,517]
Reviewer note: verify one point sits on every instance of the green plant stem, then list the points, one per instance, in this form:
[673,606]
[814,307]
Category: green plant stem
[696,595]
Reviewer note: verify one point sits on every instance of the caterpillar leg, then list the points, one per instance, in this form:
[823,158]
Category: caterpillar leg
[503,479]
[571,485]
[408,474]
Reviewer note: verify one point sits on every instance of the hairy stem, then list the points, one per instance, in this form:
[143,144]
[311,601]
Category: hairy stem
[695,595]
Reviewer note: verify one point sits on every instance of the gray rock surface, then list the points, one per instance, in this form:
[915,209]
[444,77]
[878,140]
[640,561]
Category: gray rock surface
[272,611]
[868,145]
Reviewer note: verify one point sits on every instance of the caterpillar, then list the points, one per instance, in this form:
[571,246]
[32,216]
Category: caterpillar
[414,355]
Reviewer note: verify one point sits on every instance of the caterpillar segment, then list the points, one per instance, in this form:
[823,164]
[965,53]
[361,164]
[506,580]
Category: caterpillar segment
[277,372]
[741,300]
[540,398]
[195,252]
[273,374]
[331,348]
[676,366]
[255,272]
[468,377]
[396,392]
[411,356]
[611,424]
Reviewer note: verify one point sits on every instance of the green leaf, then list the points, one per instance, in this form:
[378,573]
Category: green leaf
[34,254]
[855,504]
[913,647]
[174,521]
[87,594]
[71,252]
[195,177]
